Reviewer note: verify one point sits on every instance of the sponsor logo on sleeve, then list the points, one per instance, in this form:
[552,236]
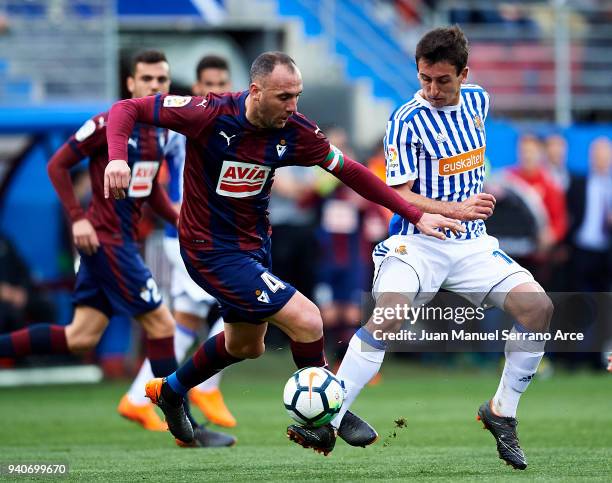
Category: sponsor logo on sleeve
[85,130]
[462,162]
[176,101]
[143,174]
[392,157]
[241,180]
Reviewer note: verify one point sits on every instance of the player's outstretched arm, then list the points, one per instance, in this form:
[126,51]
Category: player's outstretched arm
[186,115]
[364,182]
[477,207]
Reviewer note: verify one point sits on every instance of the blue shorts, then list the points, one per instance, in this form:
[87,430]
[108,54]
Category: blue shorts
[241,282]
[116,281]
[344,284]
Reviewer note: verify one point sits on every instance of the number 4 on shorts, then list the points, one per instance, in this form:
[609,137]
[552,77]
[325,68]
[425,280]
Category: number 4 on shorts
[272,282]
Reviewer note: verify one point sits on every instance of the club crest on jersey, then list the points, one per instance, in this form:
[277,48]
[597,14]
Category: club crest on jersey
[240,180]
[281,147]
[441,138]
[176,101]
[401,250]
[478,123]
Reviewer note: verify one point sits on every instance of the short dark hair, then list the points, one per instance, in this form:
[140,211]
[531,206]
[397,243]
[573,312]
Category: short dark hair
[444,44]
[211,62]
[264,64]
[147,57]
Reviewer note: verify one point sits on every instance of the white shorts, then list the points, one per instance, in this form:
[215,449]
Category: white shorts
[187,295]
[476,269]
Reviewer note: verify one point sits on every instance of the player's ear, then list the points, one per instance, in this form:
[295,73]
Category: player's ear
[255,91]
[195,88]
[464,74]
[129,82]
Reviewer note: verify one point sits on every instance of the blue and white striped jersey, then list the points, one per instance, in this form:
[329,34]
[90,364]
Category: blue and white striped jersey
[441,149]
[175,160]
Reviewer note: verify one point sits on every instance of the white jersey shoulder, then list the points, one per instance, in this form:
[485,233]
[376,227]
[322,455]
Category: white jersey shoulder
[441,150]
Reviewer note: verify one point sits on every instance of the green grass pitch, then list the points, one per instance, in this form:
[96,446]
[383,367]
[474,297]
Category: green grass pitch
[565,429]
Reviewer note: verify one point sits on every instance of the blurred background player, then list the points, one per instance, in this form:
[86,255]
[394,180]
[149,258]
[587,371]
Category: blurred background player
[112,278]
[192,306]
[235,141]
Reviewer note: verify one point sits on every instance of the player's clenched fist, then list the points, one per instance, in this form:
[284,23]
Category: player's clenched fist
[116,179]
[435,225]
[85,237]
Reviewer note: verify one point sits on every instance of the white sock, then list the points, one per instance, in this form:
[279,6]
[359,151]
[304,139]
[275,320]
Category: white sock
[183,340]
[360,364]
[213,382]
[520,368]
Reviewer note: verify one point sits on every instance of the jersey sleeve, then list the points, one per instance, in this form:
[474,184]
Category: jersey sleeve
[486,103]
[188,115]
[313,146]
[401,152]
[90,137]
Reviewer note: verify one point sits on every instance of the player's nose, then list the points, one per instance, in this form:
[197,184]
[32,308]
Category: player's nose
[291,107]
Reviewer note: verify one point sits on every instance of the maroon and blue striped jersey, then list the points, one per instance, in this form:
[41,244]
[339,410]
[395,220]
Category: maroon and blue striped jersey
[113,220]
[230,164]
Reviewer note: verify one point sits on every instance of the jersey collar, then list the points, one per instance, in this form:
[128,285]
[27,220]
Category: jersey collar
[421,100]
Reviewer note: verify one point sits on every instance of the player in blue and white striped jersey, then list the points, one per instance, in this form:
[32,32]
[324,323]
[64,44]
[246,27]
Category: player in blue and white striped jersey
[192,306]
[434,148]
[441,150]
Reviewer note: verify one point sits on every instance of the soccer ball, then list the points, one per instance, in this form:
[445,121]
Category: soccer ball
[313,396]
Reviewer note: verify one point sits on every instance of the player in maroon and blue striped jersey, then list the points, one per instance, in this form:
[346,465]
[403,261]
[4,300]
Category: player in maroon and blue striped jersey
[234,144]
[112,277]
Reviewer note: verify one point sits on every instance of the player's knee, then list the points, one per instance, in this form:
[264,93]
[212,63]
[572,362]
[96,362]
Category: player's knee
[251,350]
[158,324]
[537,312]
[308,324]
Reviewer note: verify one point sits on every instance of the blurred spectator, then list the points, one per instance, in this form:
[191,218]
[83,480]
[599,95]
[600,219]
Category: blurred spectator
[530,169]
[531,178]
[20,302]
[510,19]
[590,207]
[556,160]
[293,219]
[350,225]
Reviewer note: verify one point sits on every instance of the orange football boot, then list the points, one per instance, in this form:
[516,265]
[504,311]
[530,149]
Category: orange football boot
[143,414]
[213,407]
